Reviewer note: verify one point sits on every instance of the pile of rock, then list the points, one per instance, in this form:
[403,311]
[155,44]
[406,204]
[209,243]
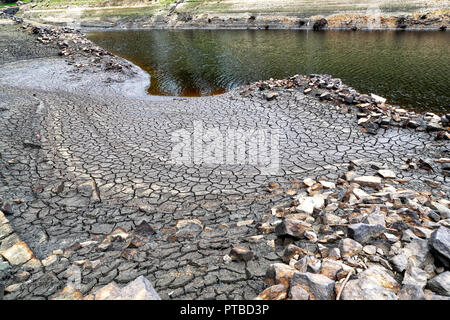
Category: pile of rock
[73,44]
[360,237]
[372,111]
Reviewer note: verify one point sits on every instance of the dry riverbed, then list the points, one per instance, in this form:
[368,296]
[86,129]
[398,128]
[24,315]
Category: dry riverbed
[92,207]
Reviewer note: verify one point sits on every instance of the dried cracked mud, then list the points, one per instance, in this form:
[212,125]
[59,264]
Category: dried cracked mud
[84,153]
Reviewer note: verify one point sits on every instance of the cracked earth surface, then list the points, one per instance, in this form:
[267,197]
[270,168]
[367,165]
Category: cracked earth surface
[83,158]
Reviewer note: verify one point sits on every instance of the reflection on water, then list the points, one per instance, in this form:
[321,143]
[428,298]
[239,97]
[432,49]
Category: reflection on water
[409,68]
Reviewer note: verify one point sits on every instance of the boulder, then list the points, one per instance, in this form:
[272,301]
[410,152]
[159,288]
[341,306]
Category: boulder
[318,286]
[279,273]
[366,289]
[292,227]
[276,292]
[440,284]
[320,24]
[439,244]
[349,247]
[411,292]
[363,232]
[298,293]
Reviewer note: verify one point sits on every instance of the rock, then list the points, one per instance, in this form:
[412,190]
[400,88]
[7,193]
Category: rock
[68,293]
[11,11]
[440,284]
[298,293]
[411,292]
[320,24]
[306,205]
[270,95]
[108,292]
[349,247]
[370,250]
[241,254]
[292,227]
[318,286]
[366,289]
[442,209]
[382,277]
[415,276]
[369,181]
[290,251]
[139,289]
[276,292]
[330,268]
[17,254]
[387,174]
[417,251]
[399,262]
[439,244]
[377,99]
[279,273]
[325,96]
[363,233]
[374,219]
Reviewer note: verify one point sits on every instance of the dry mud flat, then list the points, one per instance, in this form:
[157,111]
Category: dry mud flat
[92,207]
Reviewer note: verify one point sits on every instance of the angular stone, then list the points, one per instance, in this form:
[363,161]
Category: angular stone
[290,251]
[387,174]
[330,268]
[279,273]
[415,276]
[439,243]
[18,253]
[241,254]
[318,286]
[292,227]
[306,205]
[369,181]
[375,218]
[411,292]
[363,233]
[276,292]
[442,209]
[108,292]
[366,289]
[440,284]
[349,247]
[298,293]
[382,277]
[399,262]
[68,293]
[417,251]
[139,289]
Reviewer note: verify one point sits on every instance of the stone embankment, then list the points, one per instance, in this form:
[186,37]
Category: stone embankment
[92,207]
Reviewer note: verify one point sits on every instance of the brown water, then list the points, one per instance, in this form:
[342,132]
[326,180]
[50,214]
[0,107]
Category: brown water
[408,68]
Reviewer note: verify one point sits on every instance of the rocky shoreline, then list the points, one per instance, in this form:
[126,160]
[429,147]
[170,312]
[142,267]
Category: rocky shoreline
[433,18]
[360,209]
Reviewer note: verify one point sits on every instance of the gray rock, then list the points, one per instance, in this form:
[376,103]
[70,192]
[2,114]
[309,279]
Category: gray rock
[415,276]
[349,247]
[139,289]
[443,210]
[439,243]
[417,251]
[298,293]
[363,233]
[440,284]
[399,262]
[411,292]
[318,286]
[292,227]
[366,289]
